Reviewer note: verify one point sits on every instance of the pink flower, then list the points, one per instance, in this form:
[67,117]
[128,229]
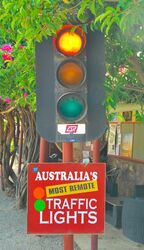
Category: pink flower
[7,57]
[122,70]
[8,100]
[25,94]
[7,47]
[21,47]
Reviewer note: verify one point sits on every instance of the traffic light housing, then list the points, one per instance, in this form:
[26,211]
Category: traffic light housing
[70,75]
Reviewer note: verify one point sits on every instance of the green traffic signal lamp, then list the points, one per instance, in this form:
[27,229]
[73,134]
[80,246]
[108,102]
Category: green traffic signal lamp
[71,107]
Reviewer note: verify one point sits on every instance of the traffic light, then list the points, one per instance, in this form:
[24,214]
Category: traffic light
[71,99]
[70,74]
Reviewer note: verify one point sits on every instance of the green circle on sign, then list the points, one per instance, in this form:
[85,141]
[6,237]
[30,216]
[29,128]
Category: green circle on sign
[71,107]
[39,205]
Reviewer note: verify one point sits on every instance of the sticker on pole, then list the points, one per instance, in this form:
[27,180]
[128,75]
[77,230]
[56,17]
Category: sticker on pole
[71,128]
[66,198]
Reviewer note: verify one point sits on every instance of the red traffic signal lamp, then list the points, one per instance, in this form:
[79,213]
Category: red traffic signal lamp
[67,68]
[70,42]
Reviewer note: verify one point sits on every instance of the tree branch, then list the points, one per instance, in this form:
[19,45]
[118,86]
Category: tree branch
[133,60]
[137,89]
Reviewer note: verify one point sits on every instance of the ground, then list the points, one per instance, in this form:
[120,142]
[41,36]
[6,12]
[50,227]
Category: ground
[13,234]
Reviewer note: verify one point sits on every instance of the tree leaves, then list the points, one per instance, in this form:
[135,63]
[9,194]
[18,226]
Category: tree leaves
[26,22]
[108,18]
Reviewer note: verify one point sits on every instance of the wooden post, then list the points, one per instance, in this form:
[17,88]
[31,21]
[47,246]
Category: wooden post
[67,149]
[96,157]
[43,152]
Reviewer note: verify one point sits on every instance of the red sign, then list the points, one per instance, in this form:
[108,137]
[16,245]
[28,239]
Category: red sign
[66,198]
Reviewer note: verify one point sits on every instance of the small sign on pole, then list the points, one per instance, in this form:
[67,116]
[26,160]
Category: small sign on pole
[71,128]
[66,198]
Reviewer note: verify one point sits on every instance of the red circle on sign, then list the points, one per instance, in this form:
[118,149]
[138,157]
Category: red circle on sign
[38,193]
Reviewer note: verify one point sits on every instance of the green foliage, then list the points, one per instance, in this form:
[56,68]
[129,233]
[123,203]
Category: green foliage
[108,18]
[139,116]
[128,15]
[31,20]
[122,80]
[25,22]
[18,77]
[116,116]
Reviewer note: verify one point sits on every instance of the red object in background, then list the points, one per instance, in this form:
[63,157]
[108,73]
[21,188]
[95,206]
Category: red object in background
[70,40]
[66,198]
[7,47]
[7,57]
[122,70]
